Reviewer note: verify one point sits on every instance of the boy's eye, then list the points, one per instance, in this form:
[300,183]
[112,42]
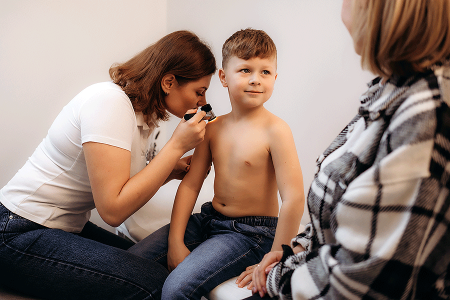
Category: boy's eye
[245,71]
[265,72]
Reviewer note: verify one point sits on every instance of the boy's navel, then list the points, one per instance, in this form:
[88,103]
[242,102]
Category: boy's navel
[247,163]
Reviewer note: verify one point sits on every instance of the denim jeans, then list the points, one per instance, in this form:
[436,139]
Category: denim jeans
[54,264]
[221,248]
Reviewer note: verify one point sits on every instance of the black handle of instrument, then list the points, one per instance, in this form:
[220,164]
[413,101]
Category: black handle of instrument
[188,116]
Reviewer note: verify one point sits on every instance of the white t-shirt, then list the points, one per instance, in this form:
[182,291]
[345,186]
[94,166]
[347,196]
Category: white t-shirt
[156,212]
[53,187]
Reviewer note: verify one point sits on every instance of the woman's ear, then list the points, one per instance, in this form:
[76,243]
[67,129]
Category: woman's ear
[168,82]
[222,78]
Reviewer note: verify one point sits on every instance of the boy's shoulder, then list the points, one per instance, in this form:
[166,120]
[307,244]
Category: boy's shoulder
[213,127]
[276,124]
[268,121]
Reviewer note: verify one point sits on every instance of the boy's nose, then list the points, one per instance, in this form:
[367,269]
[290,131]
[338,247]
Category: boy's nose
[254,80]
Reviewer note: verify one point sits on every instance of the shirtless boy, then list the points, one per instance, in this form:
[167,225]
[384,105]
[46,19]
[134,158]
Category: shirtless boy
[254,157]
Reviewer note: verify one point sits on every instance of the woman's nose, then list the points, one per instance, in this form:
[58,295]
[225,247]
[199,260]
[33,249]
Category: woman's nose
[202,101]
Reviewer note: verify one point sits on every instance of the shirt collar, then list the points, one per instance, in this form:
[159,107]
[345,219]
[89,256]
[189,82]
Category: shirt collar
[152,122]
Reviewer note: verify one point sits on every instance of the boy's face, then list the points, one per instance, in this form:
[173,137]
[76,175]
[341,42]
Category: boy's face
[249,82]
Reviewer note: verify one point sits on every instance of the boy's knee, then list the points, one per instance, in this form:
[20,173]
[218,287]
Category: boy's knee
[173,289]
[180,286]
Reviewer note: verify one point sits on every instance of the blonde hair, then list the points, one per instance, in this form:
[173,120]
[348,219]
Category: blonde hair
[248,43]
[401,36]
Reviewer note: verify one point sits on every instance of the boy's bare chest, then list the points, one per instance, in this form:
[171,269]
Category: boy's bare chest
[236,148]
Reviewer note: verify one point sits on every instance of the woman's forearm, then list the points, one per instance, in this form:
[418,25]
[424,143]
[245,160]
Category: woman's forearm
[116,195]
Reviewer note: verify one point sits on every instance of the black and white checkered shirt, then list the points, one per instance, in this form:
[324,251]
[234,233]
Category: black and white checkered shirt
[379,202]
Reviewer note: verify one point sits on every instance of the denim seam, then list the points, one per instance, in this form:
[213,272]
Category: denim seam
[75,266]
[225,266]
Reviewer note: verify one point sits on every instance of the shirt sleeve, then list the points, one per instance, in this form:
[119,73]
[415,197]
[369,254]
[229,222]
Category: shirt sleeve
[390,226]
[108,118]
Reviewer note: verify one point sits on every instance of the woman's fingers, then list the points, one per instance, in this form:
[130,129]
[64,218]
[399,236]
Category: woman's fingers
[260,275]
[197,117]
[189,134]
[245,277]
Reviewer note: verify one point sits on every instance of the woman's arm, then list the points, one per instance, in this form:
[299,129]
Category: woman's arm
[185,199]
[116,195]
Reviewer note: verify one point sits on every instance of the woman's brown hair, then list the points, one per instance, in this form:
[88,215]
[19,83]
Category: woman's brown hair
[403,36]
[180,53]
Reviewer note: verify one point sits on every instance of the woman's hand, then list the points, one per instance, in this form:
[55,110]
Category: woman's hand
[259,276]
[189,134]
[181,169]
[246,277]
[175,255]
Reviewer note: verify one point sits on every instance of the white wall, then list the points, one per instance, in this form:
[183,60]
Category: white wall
[51,49]
[319,75]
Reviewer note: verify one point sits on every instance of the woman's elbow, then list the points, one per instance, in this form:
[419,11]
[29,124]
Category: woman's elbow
[111,218]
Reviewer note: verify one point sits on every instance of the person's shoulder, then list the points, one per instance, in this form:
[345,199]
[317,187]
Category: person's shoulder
[103,90]
[107,87]
[104,97]
[213,128]
[275,124]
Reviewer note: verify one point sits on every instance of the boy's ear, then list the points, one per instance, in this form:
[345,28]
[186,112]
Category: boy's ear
[222,78]
[168,82]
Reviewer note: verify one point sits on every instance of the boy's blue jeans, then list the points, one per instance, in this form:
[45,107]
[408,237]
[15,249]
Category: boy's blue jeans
[221,248]
[54,264]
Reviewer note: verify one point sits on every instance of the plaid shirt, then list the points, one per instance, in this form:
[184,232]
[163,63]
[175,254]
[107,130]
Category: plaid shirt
[380,208]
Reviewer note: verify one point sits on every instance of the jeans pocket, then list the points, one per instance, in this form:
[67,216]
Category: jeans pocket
[18,224]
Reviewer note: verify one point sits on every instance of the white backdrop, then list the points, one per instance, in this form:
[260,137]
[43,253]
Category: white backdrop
[319,75]
[51,49]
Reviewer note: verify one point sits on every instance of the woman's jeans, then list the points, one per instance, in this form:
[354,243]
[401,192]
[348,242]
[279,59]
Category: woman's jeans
[221,248]
[54,264]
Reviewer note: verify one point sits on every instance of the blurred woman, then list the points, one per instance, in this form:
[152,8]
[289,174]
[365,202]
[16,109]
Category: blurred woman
[379,202]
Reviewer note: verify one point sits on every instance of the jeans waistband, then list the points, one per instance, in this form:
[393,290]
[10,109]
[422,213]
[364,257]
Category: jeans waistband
[249,220]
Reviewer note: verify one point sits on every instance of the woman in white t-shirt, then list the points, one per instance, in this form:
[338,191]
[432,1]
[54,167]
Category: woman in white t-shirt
[96,155]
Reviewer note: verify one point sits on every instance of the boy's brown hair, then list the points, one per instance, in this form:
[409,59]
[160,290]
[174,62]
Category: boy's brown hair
[248,43]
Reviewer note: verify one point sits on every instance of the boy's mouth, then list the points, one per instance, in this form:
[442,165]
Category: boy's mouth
[254,92]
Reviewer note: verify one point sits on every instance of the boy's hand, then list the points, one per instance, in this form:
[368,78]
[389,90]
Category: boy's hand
[175,255]
[181,169]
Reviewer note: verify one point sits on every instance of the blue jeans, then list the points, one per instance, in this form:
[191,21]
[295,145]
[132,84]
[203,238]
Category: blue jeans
[221,248]
[54,264]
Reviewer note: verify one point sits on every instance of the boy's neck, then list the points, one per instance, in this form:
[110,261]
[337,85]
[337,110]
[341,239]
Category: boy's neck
[238,112]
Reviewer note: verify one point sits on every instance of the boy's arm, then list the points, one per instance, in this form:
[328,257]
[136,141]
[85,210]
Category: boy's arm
[290,184]
[185,199]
